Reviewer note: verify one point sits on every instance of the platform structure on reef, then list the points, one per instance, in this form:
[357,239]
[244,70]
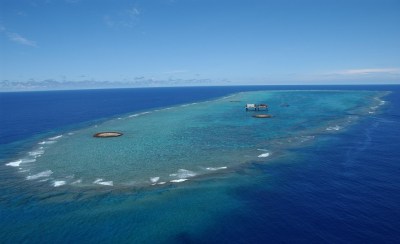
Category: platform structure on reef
[256,107]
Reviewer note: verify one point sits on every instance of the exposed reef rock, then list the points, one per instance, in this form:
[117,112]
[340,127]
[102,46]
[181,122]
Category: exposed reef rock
[262,116]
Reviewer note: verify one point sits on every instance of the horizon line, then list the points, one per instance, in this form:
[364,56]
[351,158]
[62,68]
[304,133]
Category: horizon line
[231,85]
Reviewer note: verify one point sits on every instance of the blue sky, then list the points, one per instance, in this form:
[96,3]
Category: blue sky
[198,42]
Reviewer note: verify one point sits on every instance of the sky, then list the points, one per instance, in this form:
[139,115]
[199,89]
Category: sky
[56,44]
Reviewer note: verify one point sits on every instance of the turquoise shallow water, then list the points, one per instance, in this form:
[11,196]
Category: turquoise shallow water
[177,144]
[331,176]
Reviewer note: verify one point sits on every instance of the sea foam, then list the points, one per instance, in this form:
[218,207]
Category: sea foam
[106,183]
[178,181]
[183,173]
[336,127]
[138,114]
[55,137]
[77,182]
[36,153]
[154,179]
[19,162]
[46,142]
[264,155]
[58,183]
[306,138]
[14,163]
[100,181]
[216,168]
[43,174]
[97,180]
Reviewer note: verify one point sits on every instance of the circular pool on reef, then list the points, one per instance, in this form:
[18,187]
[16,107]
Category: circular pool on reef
[107,134]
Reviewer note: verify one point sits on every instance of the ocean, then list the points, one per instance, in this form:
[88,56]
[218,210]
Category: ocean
[193,166]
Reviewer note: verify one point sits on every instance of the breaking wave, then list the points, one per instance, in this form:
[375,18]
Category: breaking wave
[154,179]
[178,181]
[55,137]
[19,162]
[264,155]
[336,127]
[43,174]
[58,183]
[183,173]
[216,168]
[100,181]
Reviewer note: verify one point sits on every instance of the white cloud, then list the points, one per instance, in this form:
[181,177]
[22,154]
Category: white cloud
[133,12]
[126,18]
[370,71]
[355,76]
[57,84]
[15,37]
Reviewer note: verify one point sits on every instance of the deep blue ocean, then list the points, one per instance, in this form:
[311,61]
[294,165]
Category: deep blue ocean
[343,188]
